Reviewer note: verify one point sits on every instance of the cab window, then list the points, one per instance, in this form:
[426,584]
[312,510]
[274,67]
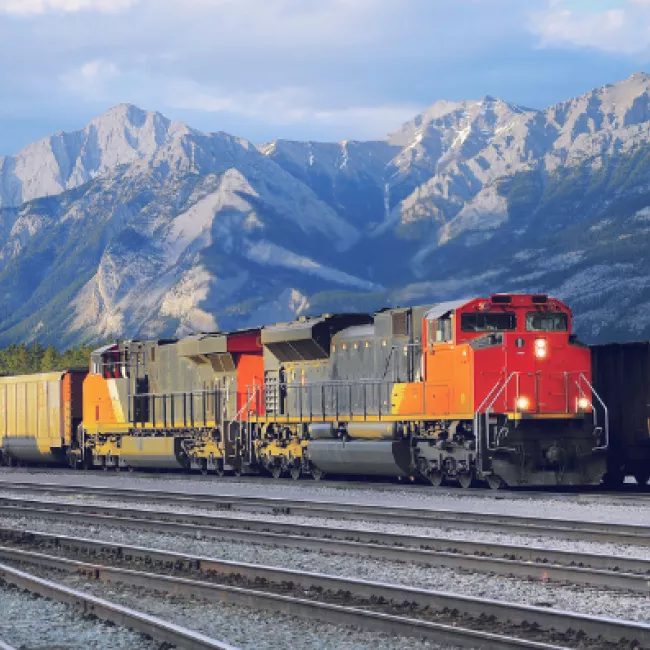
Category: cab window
[539,321]
[488,322]
[444,330]
[440,330]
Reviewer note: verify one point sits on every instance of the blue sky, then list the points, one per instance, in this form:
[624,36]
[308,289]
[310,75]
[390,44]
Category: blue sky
[304,69]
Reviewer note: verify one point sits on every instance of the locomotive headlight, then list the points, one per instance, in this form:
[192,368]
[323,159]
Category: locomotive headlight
[541,348]
[522,403]
[583,403]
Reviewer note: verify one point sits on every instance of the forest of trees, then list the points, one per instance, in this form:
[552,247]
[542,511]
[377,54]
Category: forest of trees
[23,359]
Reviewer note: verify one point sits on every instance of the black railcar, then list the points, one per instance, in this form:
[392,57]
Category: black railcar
[621,376]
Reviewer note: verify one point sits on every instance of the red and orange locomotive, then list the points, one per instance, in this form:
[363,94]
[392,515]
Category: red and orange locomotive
[490,389]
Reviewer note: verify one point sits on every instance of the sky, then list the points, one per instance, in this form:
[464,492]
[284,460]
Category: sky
[302,69]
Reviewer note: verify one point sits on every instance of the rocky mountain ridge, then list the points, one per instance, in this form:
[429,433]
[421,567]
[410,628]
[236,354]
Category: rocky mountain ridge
[141,226]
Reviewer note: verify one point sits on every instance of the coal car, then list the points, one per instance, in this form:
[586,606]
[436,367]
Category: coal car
[621,373]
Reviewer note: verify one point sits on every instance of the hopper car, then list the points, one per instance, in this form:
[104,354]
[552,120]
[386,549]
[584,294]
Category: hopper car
[494,390]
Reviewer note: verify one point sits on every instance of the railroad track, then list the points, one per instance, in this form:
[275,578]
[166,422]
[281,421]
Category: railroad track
[391,609]
[155,627]
[447,519]
[628,493]
[520,561]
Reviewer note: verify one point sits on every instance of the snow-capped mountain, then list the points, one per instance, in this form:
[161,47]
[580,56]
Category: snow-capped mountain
[140,226]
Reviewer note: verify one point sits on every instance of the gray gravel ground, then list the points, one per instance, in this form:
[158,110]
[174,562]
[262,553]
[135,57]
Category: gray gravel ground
[554,506]
[242,626]
[28,622]
[580,599]
[537,540]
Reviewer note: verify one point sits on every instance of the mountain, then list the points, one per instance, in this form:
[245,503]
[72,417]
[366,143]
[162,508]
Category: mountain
[141,226]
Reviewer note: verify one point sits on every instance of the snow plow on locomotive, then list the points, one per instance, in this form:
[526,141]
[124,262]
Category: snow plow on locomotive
[493,389]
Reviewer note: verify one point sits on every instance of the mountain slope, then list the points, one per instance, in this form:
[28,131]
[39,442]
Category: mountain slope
[140,226]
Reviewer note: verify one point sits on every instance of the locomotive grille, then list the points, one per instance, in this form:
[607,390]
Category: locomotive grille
[400,323]
[272,392]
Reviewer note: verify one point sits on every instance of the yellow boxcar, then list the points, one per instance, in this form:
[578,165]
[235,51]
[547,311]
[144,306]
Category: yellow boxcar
[39,415]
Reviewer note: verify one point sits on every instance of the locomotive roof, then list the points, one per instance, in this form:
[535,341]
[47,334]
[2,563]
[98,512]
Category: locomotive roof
[355,332]
[445,307]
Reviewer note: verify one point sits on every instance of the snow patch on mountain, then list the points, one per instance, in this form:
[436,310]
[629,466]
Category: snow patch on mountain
[267,253]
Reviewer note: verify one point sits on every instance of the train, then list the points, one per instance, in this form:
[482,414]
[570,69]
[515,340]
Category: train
[494,390]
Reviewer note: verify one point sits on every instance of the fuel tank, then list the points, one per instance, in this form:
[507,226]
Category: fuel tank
[368,457]
[164,453]
[372,430]
[322,431]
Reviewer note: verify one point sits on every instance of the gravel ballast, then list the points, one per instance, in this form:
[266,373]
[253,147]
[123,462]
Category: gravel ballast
[545,505]
[579,599]
[536,540]
[27,621]
[243,627]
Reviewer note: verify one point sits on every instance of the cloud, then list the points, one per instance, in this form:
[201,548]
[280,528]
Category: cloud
[102,80]
[320,69]
[35,7]
[598,24]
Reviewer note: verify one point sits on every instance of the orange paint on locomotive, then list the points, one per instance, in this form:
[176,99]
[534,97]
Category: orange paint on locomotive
[97,403]
[543,371]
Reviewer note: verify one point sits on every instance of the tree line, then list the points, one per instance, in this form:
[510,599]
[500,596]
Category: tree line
[22,359]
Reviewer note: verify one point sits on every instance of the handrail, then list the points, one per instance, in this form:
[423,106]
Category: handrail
[505,385]
[190,393]
[602,403]
[242,409]
[492,391]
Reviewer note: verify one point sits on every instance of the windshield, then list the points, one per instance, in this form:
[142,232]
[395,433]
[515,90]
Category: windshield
[540,321]
[488,322]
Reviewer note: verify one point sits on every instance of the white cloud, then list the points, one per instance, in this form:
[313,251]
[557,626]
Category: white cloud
[623,29]
[102,80]
[92,80]
[35,7]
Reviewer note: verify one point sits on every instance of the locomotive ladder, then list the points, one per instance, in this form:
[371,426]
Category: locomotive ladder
[482,420]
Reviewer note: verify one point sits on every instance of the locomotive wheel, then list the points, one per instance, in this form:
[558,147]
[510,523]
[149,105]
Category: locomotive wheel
[435,478]
[466,480]
[641,479]
[495,482]
[295,472]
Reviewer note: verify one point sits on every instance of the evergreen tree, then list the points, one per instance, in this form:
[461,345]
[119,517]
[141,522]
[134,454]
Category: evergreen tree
[51,359]
[22,359]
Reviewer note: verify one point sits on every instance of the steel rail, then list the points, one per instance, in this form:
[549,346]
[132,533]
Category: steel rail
[573,530]
[118,614]
[588,494]
[537,571]
[530,563]
[524,617]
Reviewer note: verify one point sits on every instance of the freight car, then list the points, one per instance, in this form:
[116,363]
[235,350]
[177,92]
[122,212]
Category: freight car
[493,389]
[39,416]
[621,374]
